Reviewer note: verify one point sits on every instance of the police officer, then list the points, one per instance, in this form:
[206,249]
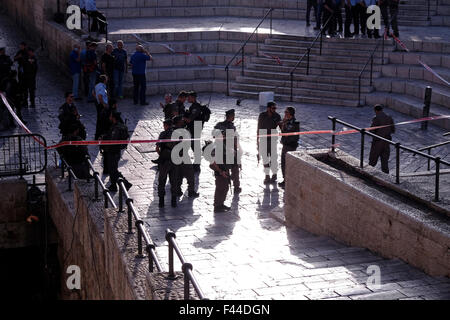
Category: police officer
[222,175]
[166,166]
[267,121]
[69,116]
[29,78]
[113,152]
[379,148]
[5,64]
[236,166]
[195,114]
[75,156]
[290,143]
[167,106]
[185,169]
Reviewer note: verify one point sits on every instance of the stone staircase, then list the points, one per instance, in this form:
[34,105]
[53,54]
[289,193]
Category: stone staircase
[403,82]
[332,79]
[442,17]
[411,12]
[173,72]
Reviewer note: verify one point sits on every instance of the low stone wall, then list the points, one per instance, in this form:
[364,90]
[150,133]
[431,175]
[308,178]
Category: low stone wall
[327,201]
[15,232]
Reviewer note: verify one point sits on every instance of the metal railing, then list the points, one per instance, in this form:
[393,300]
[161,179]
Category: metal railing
[242,48]
[142,233]
[371,67]
[22,154]
[139,224]
[429,148]
[186,267]
[438,161]
[307,54]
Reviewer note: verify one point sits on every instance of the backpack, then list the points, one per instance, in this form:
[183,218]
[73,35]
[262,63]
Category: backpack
[205,113]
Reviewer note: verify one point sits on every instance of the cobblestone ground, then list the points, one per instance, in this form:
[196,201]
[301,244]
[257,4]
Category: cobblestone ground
[245,254]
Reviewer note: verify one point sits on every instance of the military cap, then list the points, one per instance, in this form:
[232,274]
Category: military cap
[229,112]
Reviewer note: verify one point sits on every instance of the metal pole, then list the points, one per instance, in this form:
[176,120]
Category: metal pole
[436,191]
[62,169]
[149,249]
[242,67]
[130,216]
[292,86]
[321,34]
[69,170]
[169,236]
[228,81]
[20,157]
[361,161]
[139,235]
[426,107]
[371,68]
[382,50]
[429,160]
[119,182]
[333,137]
[96,174]
[307,61]
[397,163]
[359,91]
[257,43]
[186,267]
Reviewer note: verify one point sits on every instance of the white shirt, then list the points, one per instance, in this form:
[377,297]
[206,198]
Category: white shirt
[90,5]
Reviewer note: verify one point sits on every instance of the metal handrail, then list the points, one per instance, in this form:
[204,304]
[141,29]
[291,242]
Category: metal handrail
[98,182]
[370,59]
[428,149]
[189,276]
[242,48]
[71,175]
[139,224]
[438,161]
[307,53]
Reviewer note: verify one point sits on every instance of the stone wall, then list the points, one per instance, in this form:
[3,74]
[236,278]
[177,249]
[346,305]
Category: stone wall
[327,201]
[15,232]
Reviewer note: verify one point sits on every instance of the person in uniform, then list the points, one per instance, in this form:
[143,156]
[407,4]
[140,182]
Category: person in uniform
[10,87]
[20,58]
[380,148]
[69,116]
[5,64]
[167,106]
[194,114]
[29,78]
[166,166]
[180,109]
[290,143]
[222,175]
[236,166]
[113,152]
[184,170]
[267,121]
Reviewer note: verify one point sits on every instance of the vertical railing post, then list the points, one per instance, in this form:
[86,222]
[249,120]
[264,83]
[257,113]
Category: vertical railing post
[307,61]
[257,43]
[242,67]
[139,225]
[429,160]
[170,235]
[397,163]
[371,68]
[436,191]
[186,267]
[20,157]
[426,107]
[333,136]
[119,182]
[292,86]
[62,168]
[321,35]
[271,20]
[361,160]
[96,174]
[382,51]
[228,81]
[149,249]
[359,91]
[69,170]
[130,216]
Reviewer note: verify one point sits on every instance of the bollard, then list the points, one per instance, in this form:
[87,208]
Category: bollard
[426,107]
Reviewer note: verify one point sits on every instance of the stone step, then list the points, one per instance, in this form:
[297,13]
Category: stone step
[294,58]
[296,91]
[300,99]
[350,51]
[414,72]
[332,43]
[440,21]
[305,84]
[414,107]
[336,80]
[431,59]
[357,54]
[428,46]
[314,70]
[181,60]
[444,10]
[175,86]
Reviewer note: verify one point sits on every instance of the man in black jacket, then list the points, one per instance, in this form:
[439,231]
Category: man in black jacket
[5,64]
[268,121]
[30,69]
[75,156]
[380,148]
[290,143]
[112,153]
[68,116]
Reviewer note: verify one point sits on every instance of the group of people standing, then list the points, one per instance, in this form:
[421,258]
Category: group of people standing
[356,13]
[19,86]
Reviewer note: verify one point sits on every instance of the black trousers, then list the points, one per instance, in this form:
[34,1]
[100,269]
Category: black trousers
[139,86]
[358,14]
[95,24]
[331,26]
[285,150]
[112,161]
[348,21]
[312,4]
[182,171]
[382,150]
[393,13]
[167,169]
[27,87]
[222,187]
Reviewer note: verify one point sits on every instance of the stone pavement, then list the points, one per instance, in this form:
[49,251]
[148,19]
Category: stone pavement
[247,253]
[280,26]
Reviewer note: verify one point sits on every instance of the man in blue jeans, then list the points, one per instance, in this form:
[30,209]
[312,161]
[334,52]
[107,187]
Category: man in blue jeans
[120,68]
[138,62]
